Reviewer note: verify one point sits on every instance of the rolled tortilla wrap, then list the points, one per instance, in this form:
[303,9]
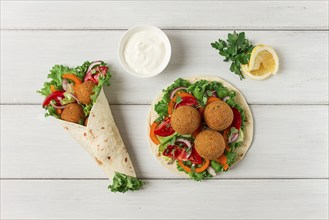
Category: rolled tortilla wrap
[102,140]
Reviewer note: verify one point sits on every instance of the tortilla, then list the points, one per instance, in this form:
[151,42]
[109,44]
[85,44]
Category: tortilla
[248,128]
[102,140]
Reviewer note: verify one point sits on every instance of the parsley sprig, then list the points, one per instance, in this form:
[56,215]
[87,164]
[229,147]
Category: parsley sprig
[237,48]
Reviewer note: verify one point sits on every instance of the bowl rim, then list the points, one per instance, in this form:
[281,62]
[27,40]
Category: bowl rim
[136,29]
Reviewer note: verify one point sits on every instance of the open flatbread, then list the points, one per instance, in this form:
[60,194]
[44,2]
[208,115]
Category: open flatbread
[248,126]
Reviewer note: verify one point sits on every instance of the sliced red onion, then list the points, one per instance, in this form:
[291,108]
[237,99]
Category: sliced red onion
[175,106]
[185,141]
[226,98]
[73,96]
[56,106]
[214,94]
[64,84]
[211,171]
[188,143]
[94,64]
[172,94]
[233,137]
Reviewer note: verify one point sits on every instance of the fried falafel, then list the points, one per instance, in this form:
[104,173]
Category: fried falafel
[84,91]
[185,120]
[209,144]
[73,113]
[218,115]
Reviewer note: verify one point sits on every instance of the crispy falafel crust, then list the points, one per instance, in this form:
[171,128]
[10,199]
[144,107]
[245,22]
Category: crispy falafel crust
[218,115]
[248,129]
[209,144]
[84,91]
[73,113]
[185,120]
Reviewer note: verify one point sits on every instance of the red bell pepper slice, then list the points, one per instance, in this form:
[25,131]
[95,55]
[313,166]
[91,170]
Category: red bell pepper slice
[53,96]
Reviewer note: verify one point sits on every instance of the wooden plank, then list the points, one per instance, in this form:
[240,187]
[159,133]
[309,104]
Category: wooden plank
[289,142]
[302,77]
[172,15]
[166,199]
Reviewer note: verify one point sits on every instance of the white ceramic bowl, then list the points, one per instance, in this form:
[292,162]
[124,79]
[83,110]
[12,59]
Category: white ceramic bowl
[137,29]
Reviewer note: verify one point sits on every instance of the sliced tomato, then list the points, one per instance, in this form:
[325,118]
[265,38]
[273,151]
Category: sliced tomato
[94,73]
[188,101]
[164,129]
[237,121]
[176,152]
[195,157]
[180,151]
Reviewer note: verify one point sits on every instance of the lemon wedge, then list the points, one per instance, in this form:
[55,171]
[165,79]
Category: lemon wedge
[263,63]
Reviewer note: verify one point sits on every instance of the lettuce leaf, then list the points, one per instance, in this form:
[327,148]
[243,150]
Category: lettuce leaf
[56,79]
[221,90]
[202,89]
[162,106]
[178,83]
[198,89]
[123,183]
[230,157]
[51,111]
[81,71]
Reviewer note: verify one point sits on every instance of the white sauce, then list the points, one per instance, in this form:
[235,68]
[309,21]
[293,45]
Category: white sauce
[144,52]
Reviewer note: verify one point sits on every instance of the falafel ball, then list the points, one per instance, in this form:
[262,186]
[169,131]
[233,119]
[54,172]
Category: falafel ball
[83,92]
[209,144]
[185,120]
[218,115]
[73,113]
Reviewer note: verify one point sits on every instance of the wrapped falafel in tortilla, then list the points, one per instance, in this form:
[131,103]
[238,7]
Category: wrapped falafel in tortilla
[75,97]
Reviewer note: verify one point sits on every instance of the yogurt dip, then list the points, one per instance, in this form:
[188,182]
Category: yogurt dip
[144,51]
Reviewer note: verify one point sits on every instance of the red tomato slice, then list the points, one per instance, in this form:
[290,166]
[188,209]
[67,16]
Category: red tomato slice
[188,101]
[176,152]
[195,157]
[237,121]
[164,129]
[179,152]
[100,70]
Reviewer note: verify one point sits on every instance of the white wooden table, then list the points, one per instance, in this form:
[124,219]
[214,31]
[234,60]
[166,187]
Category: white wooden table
[46,175]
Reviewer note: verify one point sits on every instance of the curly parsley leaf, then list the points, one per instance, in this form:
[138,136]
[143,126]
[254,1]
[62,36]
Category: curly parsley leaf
[123,183]
[237,49]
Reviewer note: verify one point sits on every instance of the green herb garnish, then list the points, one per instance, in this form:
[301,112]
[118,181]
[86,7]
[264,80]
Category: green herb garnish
[237,48]
[123,183]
